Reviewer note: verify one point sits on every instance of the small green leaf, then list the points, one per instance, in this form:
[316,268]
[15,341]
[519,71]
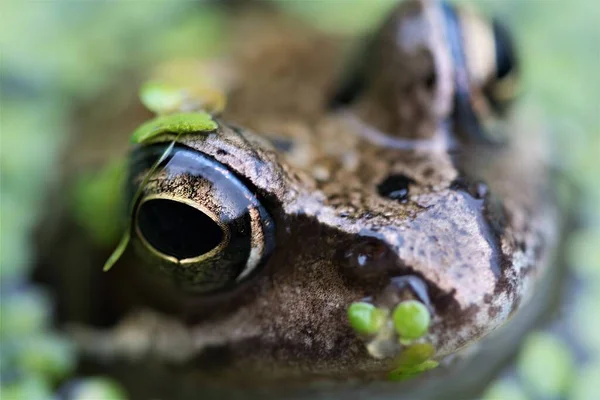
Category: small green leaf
[411,319]
[415,354]
[402,373]
[119,250]
[179,124]
[365,318]
[412,361]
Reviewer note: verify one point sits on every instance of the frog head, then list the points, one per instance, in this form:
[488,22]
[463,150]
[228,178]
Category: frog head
[322,251]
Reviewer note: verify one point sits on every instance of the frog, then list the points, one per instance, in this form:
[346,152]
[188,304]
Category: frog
[253,229]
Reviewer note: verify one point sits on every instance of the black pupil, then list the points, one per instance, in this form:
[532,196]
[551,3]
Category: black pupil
[177,229]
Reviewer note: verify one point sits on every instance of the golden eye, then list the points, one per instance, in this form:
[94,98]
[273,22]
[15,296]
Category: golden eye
[197,221]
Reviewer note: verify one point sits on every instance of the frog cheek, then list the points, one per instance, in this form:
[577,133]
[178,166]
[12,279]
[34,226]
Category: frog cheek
[197,222]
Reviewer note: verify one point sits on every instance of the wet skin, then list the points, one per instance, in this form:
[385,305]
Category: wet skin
[340,202]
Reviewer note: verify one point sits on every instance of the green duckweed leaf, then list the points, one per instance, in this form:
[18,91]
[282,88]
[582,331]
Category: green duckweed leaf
[411,319]
[180,123]
[402,373]
[415,354]
[119,250]
[412,361]
[365,318]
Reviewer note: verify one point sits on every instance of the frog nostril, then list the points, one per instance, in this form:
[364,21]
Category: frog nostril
[395,187]
[177,229]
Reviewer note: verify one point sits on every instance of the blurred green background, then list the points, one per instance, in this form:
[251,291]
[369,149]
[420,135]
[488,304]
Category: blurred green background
[57,54]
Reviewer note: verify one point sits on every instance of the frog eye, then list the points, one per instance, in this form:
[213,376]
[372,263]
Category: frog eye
[503,87]
[505,53]
[490,58]
[197,221]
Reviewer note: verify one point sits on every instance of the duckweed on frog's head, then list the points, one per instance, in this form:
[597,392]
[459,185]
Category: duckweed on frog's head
[365,318]
[411,319]
[413,360]
[178,124]
[408,322]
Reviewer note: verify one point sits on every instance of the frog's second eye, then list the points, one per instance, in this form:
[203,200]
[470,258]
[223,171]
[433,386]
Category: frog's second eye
[503,87]
[197,221]
[491,58]
[505,53]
